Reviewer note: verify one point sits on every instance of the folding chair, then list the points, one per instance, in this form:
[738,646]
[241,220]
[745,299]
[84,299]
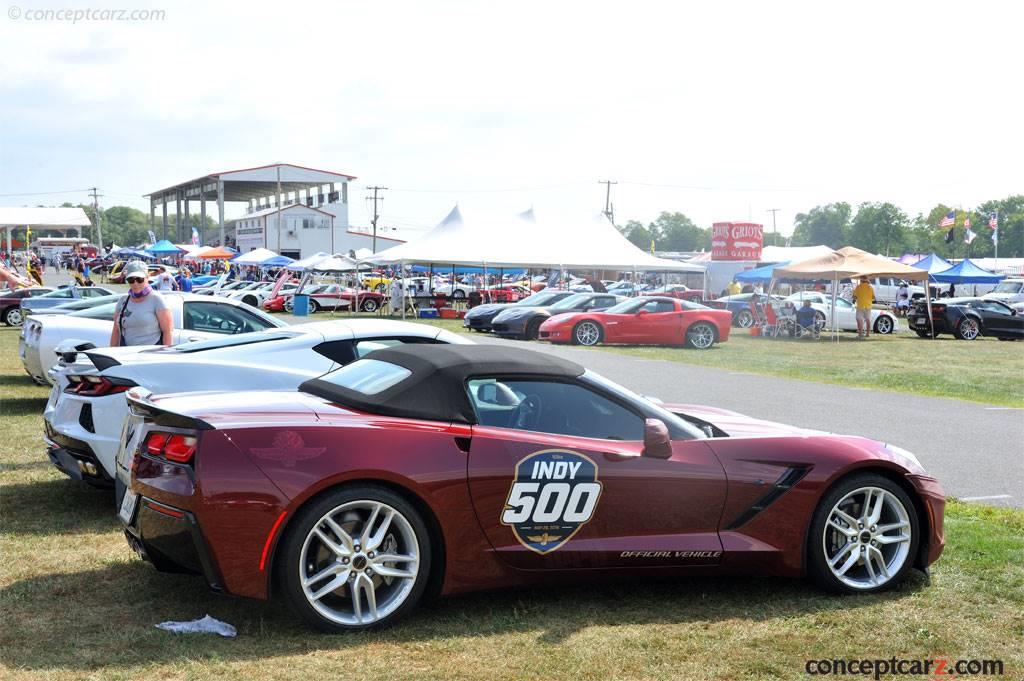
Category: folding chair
[764,328]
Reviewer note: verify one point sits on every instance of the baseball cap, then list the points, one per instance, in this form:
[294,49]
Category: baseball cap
[136,268]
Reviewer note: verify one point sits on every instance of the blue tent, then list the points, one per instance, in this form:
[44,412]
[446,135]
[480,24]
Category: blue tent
[277,261]
[164,247]
[933,264]
[967,273]
[132,253]
[761,274]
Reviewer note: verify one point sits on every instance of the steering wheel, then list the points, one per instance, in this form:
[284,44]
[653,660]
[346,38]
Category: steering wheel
[527,413]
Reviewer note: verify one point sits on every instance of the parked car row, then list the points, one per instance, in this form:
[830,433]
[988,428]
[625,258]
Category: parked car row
[353,467]
[967,319]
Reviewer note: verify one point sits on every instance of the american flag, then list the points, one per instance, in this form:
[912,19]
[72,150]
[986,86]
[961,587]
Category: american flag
[993,220]
[949,220]
[967,223]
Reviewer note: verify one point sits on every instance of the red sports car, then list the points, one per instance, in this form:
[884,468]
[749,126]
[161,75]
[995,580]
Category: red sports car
[449,469]
[647,320]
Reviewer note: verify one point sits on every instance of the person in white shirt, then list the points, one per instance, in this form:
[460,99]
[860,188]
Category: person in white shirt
[165,282]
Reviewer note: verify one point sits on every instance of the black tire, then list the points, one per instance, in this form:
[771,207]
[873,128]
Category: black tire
[533,329]
[701,336]
[819,320]
[588,339]
[817,540]
[458,294]
[381,288]
[250,300]
[744,319]
[884,325]
[369,305]
[288,567]
[314,306]
[13,316]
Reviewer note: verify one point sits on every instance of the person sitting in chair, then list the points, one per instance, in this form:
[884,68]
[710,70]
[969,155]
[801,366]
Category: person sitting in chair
[806,318]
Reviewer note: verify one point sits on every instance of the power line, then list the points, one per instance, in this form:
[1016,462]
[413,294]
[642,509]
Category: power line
[65,191]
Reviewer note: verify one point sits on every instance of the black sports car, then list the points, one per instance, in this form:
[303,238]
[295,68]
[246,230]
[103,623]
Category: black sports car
[480,317]
[523,321]
[967,318]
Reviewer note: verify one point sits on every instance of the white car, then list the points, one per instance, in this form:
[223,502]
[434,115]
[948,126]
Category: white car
[1009,291]
[195,318]
[87,410]
[882,321]
[257,295]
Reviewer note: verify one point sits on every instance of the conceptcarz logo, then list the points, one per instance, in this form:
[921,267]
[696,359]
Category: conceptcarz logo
[81,15]
[933,667]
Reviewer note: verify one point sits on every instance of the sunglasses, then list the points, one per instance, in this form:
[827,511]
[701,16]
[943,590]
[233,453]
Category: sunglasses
[135,280]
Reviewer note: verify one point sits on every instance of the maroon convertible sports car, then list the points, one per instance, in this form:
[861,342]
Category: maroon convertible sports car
[456,468]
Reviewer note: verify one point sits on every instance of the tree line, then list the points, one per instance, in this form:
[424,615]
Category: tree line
[875,227]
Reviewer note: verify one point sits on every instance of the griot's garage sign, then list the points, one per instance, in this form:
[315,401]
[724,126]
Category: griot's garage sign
[736,241]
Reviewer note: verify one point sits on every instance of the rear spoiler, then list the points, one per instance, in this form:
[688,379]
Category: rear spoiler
[100,360]
[141,404]
[67,350]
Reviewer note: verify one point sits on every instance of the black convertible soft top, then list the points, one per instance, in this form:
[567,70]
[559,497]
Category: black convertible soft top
[436,389]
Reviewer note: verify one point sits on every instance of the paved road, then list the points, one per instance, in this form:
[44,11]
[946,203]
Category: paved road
[975,450]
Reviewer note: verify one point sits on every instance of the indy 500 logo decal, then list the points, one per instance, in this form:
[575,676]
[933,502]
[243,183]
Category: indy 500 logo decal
[554,494]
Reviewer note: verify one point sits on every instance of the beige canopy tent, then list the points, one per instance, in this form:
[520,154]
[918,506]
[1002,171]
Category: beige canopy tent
[850,263]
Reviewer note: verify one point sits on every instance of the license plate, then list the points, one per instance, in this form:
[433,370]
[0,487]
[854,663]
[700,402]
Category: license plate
[128,506]
[921,322]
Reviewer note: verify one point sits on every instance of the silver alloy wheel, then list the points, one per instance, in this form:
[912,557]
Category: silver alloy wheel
[359,563]
[13,317]
[369,305]
[883,324]
[458,293]
[744,319]
[969,329]
[588,333]
[867,538]
[701,336]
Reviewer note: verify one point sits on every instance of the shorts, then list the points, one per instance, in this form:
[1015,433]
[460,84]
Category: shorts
[864,315]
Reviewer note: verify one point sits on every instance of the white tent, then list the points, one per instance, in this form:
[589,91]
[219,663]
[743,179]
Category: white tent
[467,238]
[257,256]
[777,254]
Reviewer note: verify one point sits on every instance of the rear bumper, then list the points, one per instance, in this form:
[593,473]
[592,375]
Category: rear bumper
[75,458]
[170,538]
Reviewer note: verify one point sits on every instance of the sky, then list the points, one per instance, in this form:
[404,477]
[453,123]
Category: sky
[719,110]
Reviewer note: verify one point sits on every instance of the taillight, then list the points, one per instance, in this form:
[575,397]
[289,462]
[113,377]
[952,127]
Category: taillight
[172,446]
[97,386]
[938,309]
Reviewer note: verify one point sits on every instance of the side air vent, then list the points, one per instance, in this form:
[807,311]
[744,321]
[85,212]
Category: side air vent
[790,477]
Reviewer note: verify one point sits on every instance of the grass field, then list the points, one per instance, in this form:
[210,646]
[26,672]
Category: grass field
[76,603]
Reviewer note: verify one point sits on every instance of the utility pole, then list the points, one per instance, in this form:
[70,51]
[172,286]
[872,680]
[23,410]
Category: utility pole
[99,219]
[376,214]
[608,210]
[775,232]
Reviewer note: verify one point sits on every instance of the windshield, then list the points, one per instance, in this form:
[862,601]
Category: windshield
[627,306]
[100,312]
[232,341]
[571,302]
[1008,287]
[541,298]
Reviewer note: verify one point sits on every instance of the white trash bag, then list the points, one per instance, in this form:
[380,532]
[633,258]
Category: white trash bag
[206,625]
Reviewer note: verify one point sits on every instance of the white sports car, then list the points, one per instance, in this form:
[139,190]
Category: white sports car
[259,294]
[195,318]
[882,321]
[87,411]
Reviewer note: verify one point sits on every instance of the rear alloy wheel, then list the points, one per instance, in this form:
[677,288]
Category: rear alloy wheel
[13,316]
[289,305]
[587,333]
[357,558]
[968,329]
[369,305]
[700,336]
[864,535]
[313,306]
[884,325]
[744,319]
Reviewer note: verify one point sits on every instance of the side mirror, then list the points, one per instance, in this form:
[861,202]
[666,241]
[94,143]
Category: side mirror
[657,442]
[641,312]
